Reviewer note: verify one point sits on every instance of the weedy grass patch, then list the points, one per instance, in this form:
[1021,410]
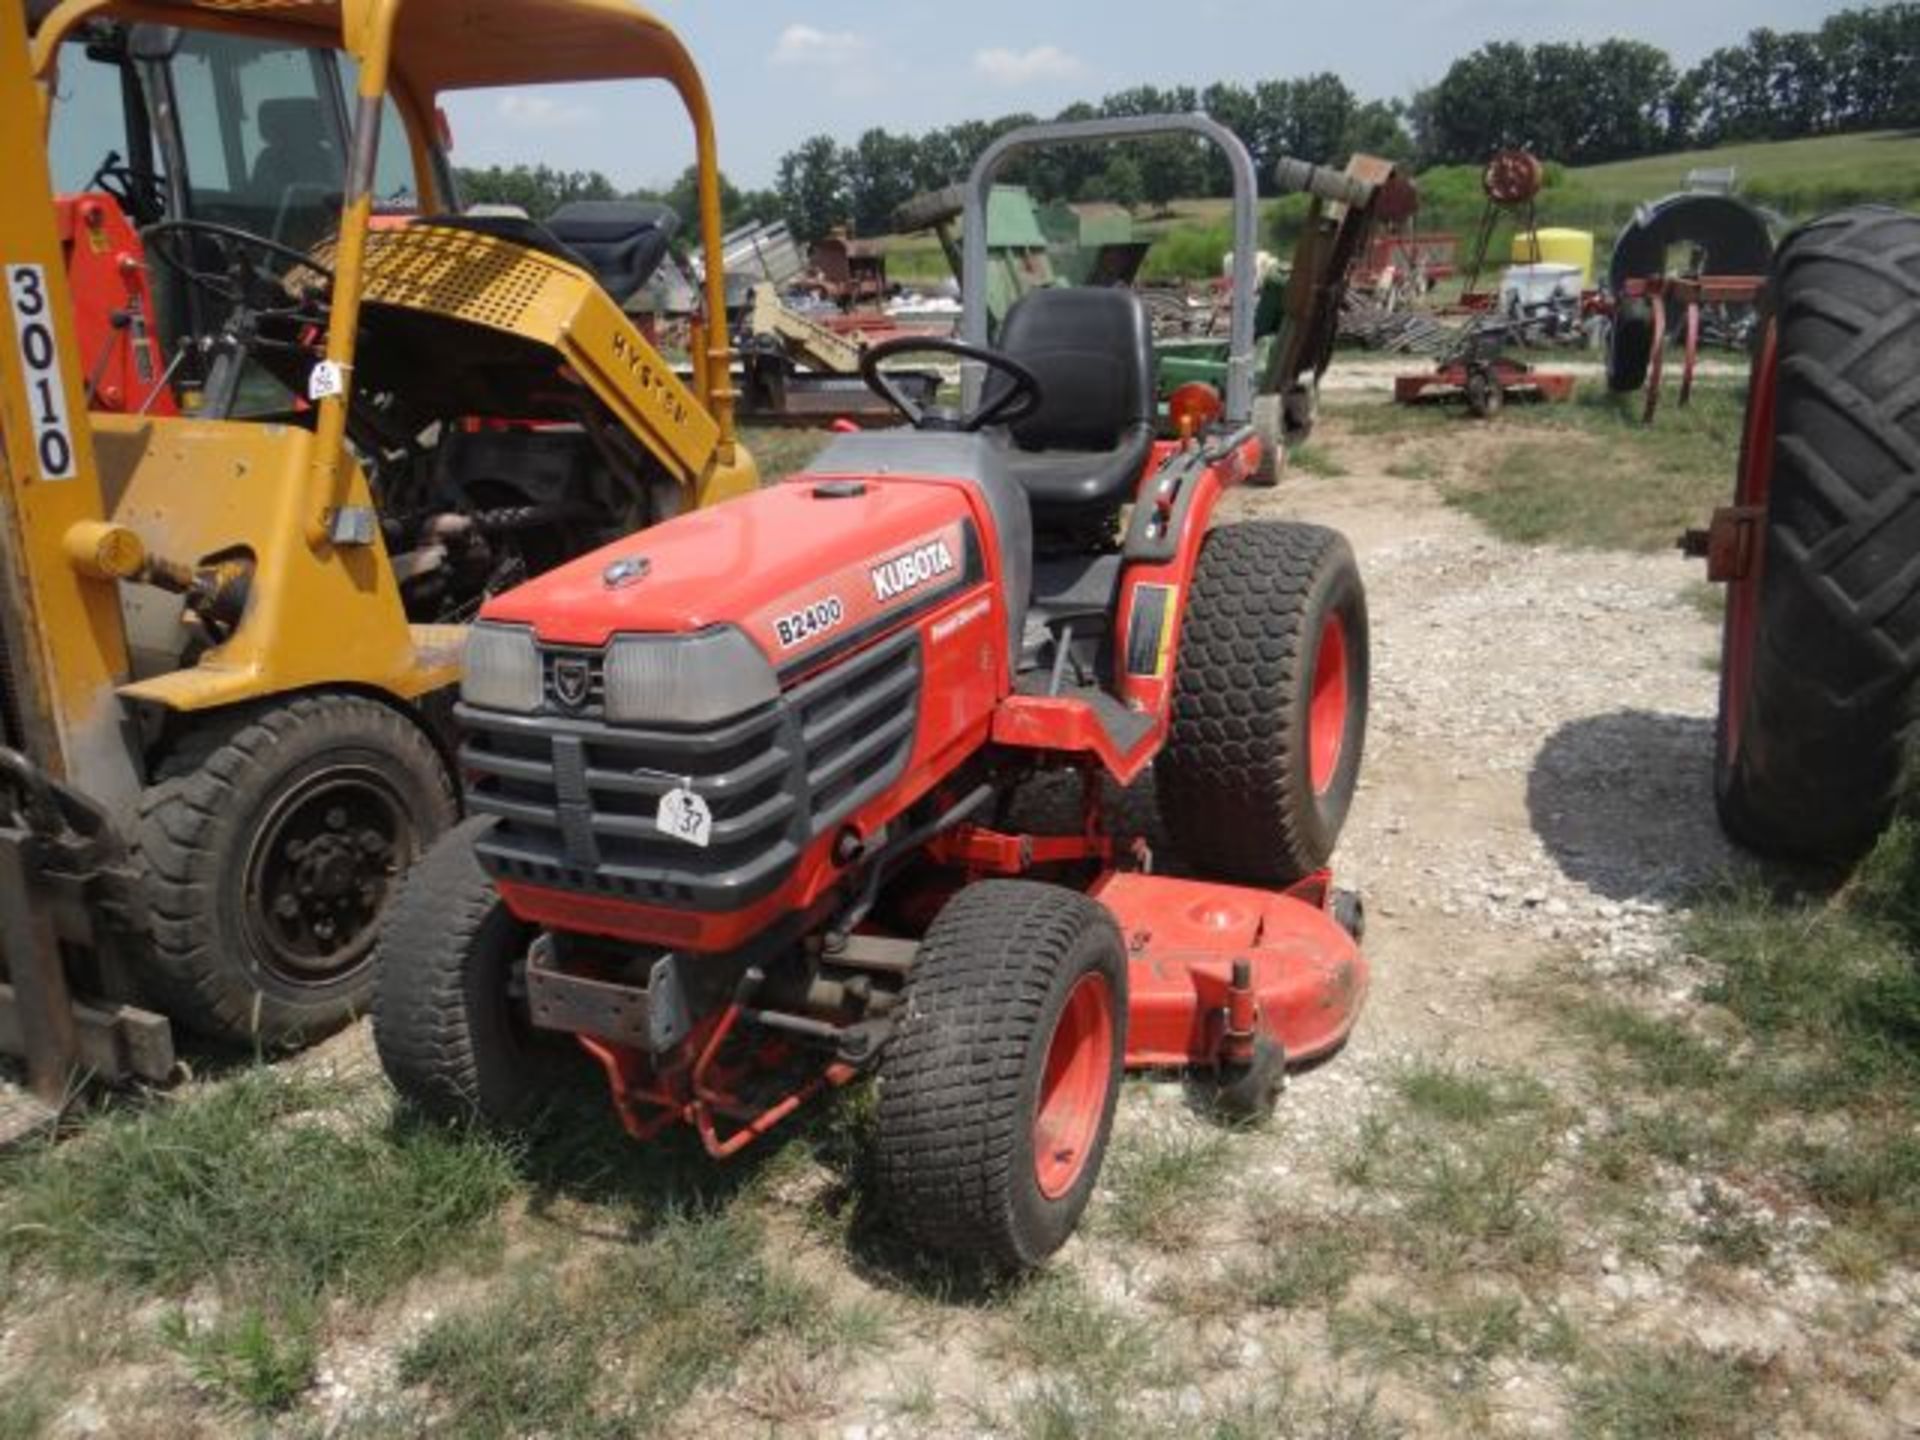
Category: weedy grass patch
[296,1182]
[619,1344]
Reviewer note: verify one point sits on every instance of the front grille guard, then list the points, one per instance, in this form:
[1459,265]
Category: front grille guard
[576,797]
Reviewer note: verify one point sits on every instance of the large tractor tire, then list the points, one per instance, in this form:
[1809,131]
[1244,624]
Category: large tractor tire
[1822,637]
[269,844]
[1269,703]
[997,1091]
[1630,346]
[449,1020]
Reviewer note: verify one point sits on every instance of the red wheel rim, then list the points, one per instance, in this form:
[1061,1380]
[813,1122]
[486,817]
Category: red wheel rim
[1743,595]
[1327,706]
[1073,1088]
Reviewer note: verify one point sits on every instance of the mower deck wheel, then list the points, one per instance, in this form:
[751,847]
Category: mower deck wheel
[1269,703]
[997,1091]
[1246,1094]
[450,1034]
[1485,396]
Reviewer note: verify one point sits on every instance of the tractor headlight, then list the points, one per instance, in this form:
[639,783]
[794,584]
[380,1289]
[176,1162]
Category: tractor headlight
[686,679]
[501,669]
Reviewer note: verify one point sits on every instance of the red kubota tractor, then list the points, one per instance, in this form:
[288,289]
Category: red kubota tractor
[741,787]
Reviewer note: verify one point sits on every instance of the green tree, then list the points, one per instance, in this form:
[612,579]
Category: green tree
[537,189]
[879,176]
[813,187]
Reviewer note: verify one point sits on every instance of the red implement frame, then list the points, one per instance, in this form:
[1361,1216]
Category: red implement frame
[1691,292]
[1450,380]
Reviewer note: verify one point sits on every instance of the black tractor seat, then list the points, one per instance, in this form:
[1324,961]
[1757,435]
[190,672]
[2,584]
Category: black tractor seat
[1080,455]
[618,242]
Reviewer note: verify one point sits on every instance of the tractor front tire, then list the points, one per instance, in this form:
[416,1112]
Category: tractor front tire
[1269,703]
[451,1034]
[1822,646]
[268,845]
[997,1089]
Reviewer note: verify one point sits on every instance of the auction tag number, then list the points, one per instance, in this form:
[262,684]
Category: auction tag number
[40,371]
[685,816]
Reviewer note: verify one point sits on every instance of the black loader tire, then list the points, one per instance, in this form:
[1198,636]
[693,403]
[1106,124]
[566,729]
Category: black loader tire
[1234,783]
[1836,640]
[960,1079]
[221,796]
[451,1033]
[1630,345]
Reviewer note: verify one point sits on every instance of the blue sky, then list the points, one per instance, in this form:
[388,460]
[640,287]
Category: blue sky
[781,72]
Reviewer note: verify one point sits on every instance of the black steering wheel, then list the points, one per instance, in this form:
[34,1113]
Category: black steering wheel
[1015,402]
[139,193]
[238,282]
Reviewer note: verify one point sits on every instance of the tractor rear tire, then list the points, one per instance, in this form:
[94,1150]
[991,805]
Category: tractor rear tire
[997,1091]
[1821,647]
[268,846]
[1630,346]
[1269,703]
[451,1036]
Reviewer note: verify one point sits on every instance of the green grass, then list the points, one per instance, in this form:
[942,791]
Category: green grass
[1667,1392]
[1316,460]
[1457,1095]
[270,1195]
[1307,1264]
[1156,1179]
[247,1359]
[617,1346]
[270,1177]
[1586,473]
[1468,1194]
[1803,1067]
[1801,177]
[1083,1360]
[1455,1337]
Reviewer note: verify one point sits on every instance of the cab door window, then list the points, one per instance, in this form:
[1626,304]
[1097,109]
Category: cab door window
[260,127]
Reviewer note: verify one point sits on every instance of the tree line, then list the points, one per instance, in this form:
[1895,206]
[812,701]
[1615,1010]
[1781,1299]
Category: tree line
[1575,103]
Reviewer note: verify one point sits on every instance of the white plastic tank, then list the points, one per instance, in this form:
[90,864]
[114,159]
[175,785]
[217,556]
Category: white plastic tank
[1523,286]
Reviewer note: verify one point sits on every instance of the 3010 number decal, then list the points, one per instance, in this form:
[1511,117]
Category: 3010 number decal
[40,371]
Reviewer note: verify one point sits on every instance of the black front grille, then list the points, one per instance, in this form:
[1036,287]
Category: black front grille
[576,797]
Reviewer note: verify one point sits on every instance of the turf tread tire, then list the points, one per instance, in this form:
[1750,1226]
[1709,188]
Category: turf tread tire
[1829,707]
[442,1022]
[953,1161]
[1232,782]
[212,773]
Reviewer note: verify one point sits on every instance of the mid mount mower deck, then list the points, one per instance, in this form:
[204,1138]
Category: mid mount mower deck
[743,787]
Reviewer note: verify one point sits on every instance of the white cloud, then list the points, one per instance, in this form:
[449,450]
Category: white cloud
[808,45]
[1026,67]
[542,112]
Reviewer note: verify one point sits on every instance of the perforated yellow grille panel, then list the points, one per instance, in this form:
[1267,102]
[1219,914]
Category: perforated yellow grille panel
[472,277]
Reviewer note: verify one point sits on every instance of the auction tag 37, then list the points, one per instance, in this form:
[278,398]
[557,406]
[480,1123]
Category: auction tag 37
[685,816]
[40,371]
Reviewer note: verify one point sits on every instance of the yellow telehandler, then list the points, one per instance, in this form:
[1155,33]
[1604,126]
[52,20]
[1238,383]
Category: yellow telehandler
[270,438]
